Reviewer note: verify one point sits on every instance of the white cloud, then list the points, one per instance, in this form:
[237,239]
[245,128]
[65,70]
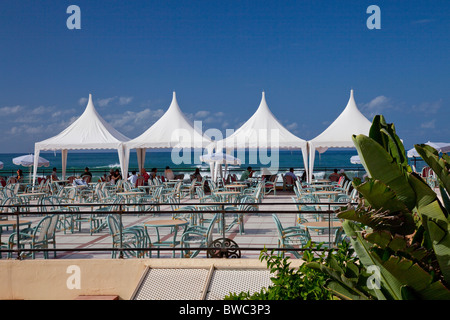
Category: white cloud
[376,106]
[292,126]
[104,102]
[202,114]
[125,100]
[10,110]
[428,107]
[82,101]
[130,121]
[429,124]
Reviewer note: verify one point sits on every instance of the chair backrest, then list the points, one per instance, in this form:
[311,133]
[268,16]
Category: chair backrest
[209,231]
[51,231]
[71,178]
[12,180]
[87,178]
[40,231]
[278,224]
[289,180]
[140,181]
[50,203]
[9,201]
[113,225]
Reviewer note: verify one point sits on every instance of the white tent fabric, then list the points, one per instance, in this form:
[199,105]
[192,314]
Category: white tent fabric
[89,131]
[264,131]
[339,134]
[441,147]
[172,130]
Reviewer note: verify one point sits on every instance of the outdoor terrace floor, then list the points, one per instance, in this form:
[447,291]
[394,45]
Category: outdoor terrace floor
[260,231]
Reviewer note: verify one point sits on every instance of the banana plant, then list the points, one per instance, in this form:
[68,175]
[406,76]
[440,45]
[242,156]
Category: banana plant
[400,226]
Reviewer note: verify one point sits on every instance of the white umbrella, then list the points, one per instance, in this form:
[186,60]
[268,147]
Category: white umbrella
[220,158]
[355,160]
[28,161]
[441,147]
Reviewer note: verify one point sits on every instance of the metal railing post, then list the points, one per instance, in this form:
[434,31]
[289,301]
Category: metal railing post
[120,230]
[17,233]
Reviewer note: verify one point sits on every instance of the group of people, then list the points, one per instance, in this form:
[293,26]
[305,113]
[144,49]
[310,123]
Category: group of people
[335,176]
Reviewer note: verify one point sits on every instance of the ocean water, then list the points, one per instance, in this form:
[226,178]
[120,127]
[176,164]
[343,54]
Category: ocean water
[101,162]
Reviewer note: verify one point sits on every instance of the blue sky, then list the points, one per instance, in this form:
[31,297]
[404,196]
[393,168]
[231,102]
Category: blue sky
[219,56]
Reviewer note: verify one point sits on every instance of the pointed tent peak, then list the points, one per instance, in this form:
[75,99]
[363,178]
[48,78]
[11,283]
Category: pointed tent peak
[174,103]
[263,103]
[90,105]
[351,101]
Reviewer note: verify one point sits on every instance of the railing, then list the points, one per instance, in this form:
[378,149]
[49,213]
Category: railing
[222,251]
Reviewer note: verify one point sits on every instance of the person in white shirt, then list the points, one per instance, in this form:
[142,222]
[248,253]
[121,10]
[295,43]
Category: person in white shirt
[133,177]
[168,173]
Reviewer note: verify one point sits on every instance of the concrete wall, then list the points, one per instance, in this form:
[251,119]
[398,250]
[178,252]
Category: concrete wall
[68,279]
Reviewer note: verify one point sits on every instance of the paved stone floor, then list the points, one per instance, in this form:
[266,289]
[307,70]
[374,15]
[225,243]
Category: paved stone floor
[259,231]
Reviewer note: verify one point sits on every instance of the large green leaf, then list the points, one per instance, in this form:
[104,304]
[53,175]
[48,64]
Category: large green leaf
[384,134]
[368,258]
[413,276]
[379,196]
[381,166]
[435,222]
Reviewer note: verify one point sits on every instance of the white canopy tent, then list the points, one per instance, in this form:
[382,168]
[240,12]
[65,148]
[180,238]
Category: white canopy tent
[172,130]
[339,134]
[263,131]
[89,131]
[441,147]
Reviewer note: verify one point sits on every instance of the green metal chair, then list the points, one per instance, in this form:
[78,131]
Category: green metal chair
[291,237]
[35,237]
[134,237]
[197,236]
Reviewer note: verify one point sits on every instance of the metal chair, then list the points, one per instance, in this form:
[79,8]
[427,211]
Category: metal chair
[35,237]
[291,237]
[127,237]
[197,236]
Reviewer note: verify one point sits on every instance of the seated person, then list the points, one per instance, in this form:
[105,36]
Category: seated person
[292,174]
[197,175]
[334,177]
[168,173]
[342,174]
[247,174]
[54,175]
[19,175]
[133,177]
[153,173]
[146,176]
[86,173]
[117,176]
[304,176]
